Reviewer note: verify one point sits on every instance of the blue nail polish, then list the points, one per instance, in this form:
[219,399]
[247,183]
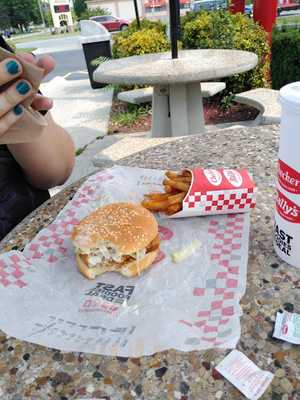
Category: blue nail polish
[12,67]
[23,87]
[18,110]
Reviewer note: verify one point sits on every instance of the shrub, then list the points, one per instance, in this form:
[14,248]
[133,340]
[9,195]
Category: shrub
[285,64]
[223,30]
[145,24]
[140,42]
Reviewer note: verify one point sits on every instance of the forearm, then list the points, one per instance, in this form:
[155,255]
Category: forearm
[49,160]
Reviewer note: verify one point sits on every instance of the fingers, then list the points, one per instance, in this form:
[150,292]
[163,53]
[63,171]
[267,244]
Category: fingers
[47,63]
[10,69]
[14,95]
[10,118]
[42,103]
[28,57]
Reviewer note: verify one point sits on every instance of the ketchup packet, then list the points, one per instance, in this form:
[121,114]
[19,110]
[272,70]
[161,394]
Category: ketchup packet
[245,375]
[287,327]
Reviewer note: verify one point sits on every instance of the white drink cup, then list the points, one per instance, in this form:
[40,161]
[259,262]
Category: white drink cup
[287,210]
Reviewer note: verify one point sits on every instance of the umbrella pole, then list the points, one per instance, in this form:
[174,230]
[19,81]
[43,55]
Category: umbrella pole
[136,10]
[174,27]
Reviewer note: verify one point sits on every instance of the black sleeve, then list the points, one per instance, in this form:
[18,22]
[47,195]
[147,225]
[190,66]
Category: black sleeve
[4,45]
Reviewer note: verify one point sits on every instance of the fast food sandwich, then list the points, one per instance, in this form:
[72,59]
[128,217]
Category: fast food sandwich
[119,237]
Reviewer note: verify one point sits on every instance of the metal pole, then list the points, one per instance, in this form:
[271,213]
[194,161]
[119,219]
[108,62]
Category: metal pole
[136,10]
[42,14]
[265,12]
[174,27]
[177,2]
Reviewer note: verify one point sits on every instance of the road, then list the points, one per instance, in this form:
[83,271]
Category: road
[66,51]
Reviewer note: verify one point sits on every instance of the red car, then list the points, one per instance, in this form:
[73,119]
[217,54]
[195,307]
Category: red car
[111,23]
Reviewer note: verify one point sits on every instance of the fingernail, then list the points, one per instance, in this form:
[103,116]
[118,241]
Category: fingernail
[18,110]
[23,87]
[12,67]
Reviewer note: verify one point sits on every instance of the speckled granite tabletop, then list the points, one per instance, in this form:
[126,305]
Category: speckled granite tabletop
[33,372]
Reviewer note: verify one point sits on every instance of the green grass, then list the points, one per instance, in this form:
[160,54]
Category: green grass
[131,116]
[288,20]
[42,36]
[26,50]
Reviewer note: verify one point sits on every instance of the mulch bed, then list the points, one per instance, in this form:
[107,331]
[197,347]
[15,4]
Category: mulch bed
[213,114]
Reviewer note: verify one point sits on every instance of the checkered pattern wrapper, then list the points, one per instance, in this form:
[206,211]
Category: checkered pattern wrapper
[218,191]
[191,305]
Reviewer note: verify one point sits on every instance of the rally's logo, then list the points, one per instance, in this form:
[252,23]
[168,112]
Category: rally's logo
[288,178]
[213,176]
[287,209]
[233,177]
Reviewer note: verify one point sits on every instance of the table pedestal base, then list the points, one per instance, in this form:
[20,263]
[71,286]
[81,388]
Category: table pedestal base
[177,110]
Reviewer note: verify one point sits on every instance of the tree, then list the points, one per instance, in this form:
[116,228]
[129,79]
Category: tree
[94,12]
[4,17]
[79,7]
[20,13]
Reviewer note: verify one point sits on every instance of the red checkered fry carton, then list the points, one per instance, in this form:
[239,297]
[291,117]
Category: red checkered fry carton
[218,191]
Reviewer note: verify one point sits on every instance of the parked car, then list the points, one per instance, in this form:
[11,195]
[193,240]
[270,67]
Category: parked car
[111,23]
[208,5]
[287,6]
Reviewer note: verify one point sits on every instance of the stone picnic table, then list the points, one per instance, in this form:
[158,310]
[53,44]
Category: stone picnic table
[177,100]
[29,371]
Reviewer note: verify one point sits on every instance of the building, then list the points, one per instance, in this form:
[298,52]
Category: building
[147,8]
[119,8]
[61,14]
[152,6]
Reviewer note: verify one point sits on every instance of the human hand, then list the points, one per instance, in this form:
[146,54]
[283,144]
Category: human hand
[47,63]
[17,90]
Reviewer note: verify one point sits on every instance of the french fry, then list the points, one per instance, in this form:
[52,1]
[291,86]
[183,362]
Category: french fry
[176,198]
[155,205]
[168,189]
[178,177]
[173,209]
[182,186]
[185,179]
[171,174]
[176,185]
[186,173]
[157,196]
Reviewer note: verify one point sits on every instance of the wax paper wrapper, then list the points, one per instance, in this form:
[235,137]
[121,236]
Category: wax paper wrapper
[191,305]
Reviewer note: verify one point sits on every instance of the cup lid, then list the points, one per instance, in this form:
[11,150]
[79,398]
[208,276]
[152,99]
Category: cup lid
[290,95]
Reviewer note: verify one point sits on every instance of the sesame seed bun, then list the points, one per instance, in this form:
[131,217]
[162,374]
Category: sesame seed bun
[129,227]
[129,269]
[126,228]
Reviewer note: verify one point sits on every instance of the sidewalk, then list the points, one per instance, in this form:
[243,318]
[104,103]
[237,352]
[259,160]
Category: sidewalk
[84,113]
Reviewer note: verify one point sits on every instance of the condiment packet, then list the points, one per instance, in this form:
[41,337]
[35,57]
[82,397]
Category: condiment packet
[245,375]
[287,327]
